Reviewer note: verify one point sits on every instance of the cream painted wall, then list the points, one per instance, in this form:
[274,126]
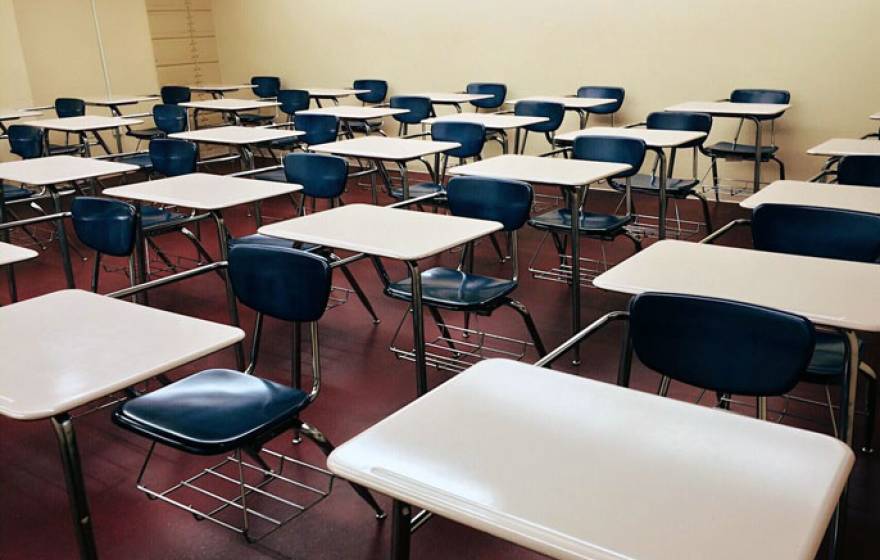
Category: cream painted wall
[661,52]
[16,90]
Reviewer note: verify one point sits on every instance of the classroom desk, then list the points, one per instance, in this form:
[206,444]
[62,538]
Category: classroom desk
[391,233]
[333,94]
[493,122]
[806,286]
[608,474]
[227,106]
[218,91]
[357,113]
[212,194]
[378,149]
[242,138]
[754,112]
[81,126]
[571,103]
[14,115]
[109,345]
[9,255]
[822,195]
[841,147]
[51,171]
[657,141]
[453,99]
[113,104]
[570,174]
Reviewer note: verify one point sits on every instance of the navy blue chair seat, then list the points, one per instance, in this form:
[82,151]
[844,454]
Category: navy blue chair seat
[268,241]
[142,160]
[214,411]
[650,184]
[746,151]
[145,133]
[61,149]
[420,189]
[255,119]
[153,217]
[365,127]
[591,223]
[827,367]
[276,175]
[456,290]
[11,193]
[285,143]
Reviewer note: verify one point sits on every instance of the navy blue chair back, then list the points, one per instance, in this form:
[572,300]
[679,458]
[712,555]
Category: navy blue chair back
[69,107]
[721,345]
[321,175]
[105,225]
[27,142]
[859,170]
[497,91]
[319,129]
[266,86]
[378,90]
[603,92]
[293,100]
[280,282]
[471,136]
[673,120]
[554,112]
[171,157]
[419,108]
[778,96]
[170,118]
[172,95]
[497,200]
[613,149]
[817,232]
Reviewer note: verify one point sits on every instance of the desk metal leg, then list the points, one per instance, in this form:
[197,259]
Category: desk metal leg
[404,179]
[758,154]
[76,491]
[401,528]
[661,224]
[62,237]
[849,387]
[247,161]
[223,242]
[418,328]
[575,199]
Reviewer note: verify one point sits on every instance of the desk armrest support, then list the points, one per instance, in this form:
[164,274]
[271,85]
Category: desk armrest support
[710,239]
[554,354]
[164,281]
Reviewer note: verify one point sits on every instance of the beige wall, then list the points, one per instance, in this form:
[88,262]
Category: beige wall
[662,52]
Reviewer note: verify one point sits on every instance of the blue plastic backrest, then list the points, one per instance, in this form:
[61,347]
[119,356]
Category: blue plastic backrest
[613,149]
[281,282]
[603,92]
[554,112]
[778,96]
[26,141]
[105,225]
[419,108]
[497,91]
[172,95]
[319,129]
[859,170]
[721,345]
[674,120]
[266,86]
[171,157]
[321,175]
[378,90]
[170,118]
[817,232]
[471,136]
[293,100]
[497,200]
[69,107]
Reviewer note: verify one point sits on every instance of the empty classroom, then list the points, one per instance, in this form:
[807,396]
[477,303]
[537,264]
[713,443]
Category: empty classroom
[387,279]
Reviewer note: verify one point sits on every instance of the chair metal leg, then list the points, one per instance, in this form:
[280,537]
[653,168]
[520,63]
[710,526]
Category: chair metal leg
[360,293]
[441,326]
[871,414]
[715,180]
[501,256]
[96,271]
[76,491]
[327,448]
[636,242]
[707,219]
[161,254]
[530,325]
[663,389]
[781,168]
[624,368]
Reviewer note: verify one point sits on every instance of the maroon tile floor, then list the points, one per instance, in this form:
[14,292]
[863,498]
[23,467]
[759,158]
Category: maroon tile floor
[363,383]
